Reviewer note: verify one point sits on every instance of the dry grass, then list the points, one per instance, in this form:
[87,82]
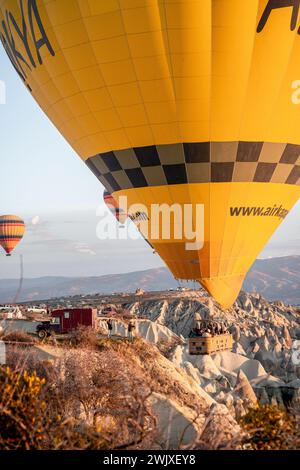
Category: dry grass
[102,393]
[142,356]
[167,347]
[97,398]
[80,403]
[18,336]
[27,423]
[84,337]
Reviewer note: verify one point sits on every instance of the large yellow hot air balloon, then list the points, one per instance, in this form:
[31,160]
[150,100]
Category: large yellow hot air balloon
[12,229]
[186,101]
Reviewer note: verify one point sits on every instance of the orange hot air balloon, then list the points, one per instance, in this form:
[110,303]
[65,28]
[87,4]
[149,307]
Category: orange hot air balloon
[12,229]
[114,208]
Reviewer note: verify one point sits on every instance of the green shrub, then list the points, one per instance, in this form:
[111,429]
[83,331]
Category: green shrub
[269,427]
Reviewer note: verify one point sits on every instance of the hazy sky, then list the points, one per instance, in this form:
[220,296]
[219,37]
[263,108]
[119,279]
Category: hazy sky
[42,179]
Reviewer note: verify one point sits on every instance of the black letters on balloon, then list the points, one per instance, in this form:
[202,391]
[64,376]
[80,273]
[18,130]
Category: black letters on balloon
[274,5]
[11,29]
[33,14]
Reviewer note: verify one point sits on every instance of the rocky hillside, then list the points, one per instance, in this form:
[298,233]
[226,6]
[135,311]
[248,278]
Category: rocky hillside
[138,397]
[263,363]
[194,400]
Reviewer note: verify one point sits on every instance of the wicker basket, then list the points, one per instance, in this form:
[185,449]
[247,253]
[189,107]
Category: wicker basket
[209,345]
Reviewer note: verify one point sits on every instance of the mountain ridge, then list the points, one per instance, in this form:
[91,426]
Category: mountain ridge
[274,278]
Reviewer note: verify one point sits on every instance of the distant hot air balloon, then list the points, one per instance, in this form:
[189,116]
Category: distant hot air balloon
[114,208]
[12,229]
[186,102]
[117,212]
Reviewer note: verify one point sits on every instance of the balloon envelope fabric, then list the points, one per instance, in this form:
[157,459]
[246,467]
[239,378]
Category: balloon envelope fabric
[175,102]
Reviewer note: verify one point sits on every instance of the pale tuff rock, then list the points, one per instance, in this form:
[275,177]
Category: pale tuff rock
[119,328]
[282,343]
[244,390]
[178,357]
[177,425]
[219,419]
[187,382]
[224,382]
[259,331]
[287,336]
[257,301]
[154,333]
[150,331]
[197,316]
[255,348]
[210,309]
[244,302]
[238,348]
[236,332]
[240,409]
[210,388]
[227,399]
[278,346]
[264,344]
[268,381]
[263,333]
[204,364]
[235,362]
[221,397]
[247,342]
[230,376]
[194,373]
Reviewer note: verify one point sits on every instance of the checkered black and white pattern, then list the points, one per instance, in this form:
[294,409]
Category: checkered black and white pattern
[197,163]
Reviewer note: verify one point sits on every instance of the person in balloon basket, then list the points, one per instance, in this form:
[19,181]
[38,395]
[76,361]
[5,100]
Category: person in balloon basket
[110,327]
[131,327]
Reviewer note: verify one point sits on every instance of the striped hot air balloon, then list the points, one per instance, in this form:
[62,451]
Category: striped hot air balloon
[118,212]
[12,229]
[114,208]
[186,102]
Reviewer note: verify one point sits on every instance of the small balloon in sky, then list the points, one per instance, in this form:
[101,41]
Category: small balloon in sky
[35,220]
[12,229]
